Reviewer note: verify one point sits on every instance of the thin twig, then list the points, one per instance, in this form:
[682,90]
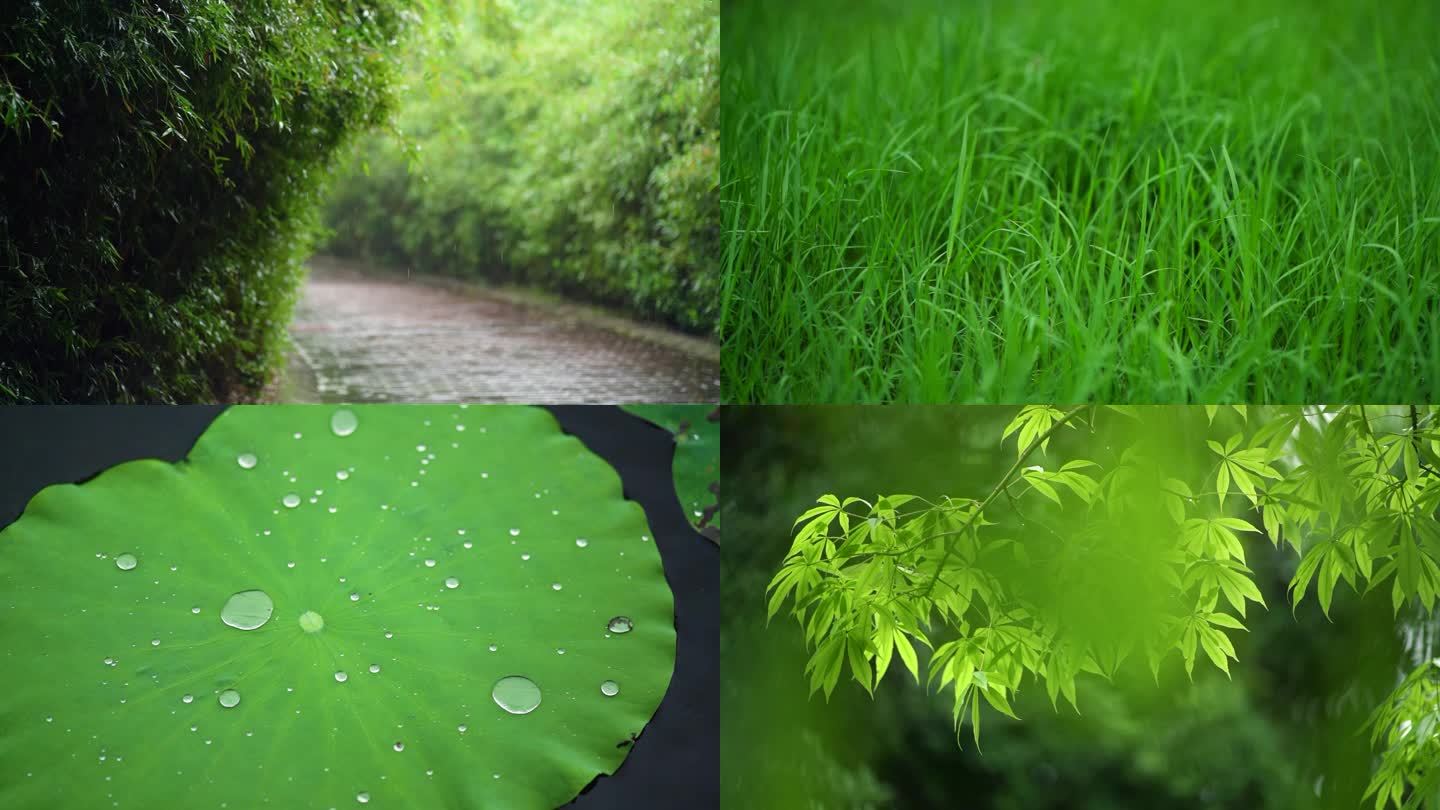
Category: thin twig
[1001,487]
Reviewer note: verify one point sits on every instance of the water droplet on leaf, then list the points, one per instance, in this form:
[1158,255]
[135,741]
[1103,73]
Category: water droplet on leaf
[247,610]
[621,624]
[516,694]
[126,562]
[229,698]
[246,460]
[610,688]
[343,422]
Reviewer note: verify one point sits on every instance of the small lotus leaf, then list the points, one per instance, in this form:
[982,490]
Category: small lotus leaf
[696,430]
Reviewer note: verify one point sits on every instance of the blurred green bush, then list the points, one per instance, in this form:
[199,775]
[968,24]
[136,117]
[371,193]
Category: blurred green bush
[159,172]
[569,145]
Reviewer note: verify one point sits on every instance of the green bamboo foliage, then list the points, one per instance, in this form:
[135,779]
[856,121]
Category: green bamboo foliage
[570,146]
[160,167]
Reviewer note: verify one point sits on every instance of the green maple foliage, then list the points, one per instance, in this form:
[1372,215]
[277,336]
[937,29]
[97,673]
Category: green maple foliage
[1071,566]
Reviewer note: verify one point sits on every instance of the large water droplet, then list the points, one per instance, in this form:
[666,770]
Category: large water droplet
[516,694]
[610,688]
[246,460]
[311,622]
[362,797]
[229,698]
[452,582]
[187,699]
[126,562]
[291,501]
[399,746]
[582,542]
[247,610]
[341,677]
[621,624]
[343,422]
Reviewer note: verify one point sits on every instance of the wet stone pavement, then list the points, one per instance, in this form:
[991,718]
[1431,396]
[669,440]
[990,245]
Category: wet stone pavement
[363,338]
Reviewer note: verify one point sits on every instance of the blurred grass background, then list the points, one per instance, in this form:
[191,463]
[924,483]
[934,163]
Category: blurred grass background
[1284,733]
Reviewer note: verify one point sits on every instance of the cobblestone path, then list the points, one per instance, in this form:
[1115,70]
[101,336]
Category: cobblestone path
[366,339]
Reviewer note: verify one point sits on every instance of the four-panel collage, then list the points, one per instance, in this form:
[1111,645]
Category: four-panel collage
[376,377]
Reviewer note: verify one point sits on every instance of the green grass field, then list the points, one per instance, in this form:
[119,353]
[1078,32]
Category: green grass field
[1112,200]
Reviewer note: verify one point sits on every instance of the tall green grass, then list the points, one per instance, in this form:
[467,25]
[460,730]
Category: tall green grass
[1085,200]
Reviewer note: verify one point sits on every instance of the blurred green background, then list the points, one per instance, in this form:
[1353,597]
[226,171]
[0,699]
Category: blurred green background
[1284,733]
